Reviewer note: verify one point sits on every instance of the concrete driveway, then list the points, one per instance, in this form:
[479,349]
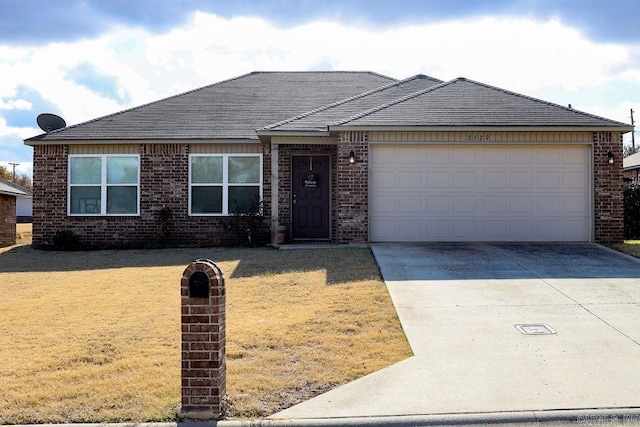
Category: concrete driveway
[459,305]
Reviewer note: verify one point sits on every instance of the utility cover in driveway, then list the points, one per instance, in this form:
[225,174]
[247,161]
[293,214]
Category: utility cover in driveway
[536,329]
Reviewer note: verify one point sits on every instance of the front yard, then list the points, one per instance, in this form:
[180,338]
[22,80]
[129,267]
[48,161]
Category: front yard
[629,247]
[95,336]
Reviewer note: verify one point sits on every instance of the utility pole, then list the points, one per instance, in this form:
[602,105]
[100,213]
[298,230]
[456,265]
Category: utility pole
[16,164]
[633,133]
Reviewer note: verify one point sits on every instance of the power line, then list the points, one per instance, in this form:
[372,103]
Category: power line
[633,133]
[14,170]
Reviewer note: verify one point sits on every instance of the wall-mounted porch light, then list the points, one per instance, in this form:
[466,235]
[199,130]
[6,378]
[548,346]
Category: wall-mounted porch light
[610,157]
[352,157]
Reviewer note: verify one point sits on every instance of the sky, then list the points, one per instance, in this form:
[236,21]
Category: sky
[83,59]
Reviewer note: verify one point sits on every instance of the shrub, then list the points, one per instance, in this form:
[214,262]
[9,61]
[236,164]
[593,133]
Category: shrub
[247,224]
[632,213]
[66,240]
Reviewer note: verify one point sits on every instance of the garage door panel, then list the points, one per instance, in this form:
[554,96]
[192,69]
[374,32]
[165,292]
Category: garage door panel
[506,193]
[520,179]
[464,204]
[550,156]
[409,228]
[521,204]
[549,179]
[494,156]
[521,228]
[494,179]
[575,228]
[410,156]
[574,204]
[437,156]
[577,180]
[410,179]
[464,229]
[550,229]
[437,179]
[438,228]
[462,156]
[494,204]
[384,179]
[437,204]
[521,156]
[383,204]
[494,229]
[384,230]
[409,204]
[464,179]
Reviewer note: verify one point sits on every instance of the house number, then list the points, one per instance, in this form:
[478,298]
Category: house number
[478,137]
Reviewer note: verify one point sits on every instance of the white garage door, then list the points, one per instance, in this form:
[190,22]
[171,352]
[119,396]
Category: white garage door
[479,193]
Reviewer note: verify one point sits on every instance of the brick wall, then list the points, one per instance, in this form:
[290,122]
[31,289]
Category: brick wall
[608,198]
[164,183]
[352,224]
[49,191]
[7,220]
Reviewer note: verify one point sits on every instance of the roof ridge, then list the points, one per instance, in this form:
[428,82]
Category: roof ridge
[393,102]
[464,79]
[346,100]
[137,107]
[542,101]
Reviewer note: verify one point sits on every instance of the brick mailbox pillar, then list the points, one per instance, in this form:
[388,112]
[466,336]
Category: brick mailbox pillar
[203,341]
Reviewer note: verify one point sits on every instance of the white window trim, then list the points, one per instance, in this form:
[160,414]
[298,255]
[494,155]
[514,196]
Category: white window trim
[225,180]
[103,185]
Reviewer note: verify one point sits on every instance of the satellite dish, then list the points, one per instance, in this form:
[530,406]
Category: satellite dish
[49,122]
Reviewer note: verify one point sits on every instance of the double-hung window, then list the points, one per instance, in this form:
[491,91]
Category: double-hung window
[104,185]
[223,184]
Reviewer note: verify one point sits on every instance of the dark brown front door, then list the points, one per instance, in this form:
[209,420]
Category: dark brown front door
[310,197]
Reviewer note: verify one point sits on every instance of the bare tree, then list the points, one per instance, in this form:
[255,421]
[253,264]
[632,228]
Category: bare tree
[628,150]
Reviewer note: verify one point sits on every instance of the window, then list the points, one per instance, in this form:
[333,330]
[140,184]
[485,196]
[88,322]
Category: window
[103,185]
[224,183]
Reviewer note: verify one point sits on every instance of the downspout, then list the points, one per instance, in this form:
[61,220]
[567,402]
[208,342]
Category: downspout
[274,194]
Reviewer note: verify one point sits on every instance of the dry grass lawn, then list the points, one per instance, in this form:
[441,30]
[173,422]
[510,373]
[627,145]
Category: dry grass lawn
[95,336]
[629,247]
[23,234]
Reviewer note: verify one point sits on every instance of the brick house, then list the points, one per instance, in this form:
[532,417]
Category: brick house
[8,195]
[345,157]
[631,169]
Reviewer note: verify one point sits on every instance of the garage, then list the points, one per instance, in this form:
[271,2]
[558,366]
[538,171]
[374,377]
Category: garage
[498,193]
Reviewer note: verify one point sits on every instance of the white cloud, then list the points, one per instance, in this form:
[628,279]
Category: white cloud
[518,54]
[16,104]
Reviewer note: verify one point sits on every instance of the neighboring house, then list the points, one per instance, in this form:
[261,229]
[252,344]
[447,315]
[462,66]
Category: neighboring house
[8,195]
[346,157]
[24,202]
[631,169]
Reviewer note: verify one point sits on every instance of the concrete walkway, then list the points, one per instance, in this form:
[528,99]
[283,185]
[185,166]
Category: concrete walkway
[459,305]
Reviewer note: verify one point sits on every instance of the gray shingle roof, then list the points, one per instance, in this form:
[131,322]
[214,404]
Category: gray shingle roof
[632,161]
[231,109]
[462,102]
[11,189]
[317,120]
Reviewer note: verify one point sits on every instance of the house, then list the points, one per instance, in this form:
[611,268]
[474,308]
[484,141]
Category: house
[24,202]
[345,157]
[8,196]
[631,169]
